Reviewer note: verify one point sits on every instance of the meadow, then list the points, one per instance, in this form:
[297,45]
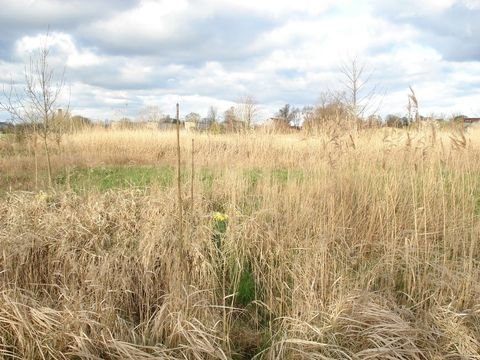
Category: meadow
[339,245]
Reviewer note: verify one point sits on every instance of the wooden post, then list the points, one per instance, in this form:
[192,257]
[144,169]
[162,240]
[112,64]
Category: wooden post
[193,172]
[179,184]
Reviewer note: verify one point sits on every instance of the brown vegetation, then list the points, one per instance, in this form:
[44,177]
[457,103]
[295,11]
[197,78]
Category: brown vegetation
[342,245]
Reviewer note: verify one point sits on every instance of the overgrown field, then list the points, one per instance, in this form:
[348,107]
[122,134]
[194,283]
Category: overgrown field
[361,245]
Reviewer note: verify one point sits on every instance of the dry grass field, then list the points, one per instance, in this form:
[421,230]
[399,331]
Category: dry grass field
[362,245]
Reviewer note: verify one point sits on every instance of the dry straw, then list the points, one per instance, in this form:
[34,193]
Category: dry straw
[345,246]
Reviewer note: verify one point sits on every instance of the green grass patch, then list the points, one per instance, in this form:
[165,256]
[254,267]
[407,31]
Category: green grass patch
[108,178]
[246,288]
[206,177]
[284,175]
[253,177]
[84,179]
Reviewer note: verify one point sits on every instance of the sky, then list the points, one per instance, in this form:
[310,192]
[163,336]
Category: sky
[123,56]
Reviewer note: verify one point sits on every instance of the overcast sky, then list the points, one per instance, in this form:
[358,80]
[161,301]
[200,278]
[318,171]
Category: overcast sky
[123,55]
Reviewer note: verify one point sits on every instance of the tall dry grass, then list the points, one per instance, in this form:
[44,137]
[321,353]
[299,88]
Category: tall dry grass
[349,246]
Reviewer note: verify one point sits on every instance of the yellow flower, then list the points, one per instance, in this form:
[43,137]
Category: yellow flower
[219,217]
[42,196]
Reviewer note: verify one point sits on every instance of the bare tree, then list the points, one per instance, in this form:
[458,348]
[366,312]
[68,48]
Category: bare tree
[230,119]
[288,114]
[212,120]
[330,114]
[193,117]
[246,110]
[150,113]
[361,94]
[212,115]
[35,102]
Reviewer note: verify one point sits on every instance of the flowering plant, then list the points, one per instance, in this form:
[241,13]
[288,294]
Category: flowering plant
[220,222]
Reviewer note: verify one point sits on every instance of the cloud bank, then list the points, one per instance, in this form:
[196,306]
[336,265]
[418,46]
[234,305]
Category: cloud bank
[122,56]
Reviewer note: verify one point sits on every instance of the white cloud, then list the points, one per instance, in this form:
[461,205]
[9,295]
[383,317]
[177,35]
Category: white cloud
[64,47]
[132,72]
[150,20]
[472,4]
[210,52]
[10,71]
[272,8]
[41,14]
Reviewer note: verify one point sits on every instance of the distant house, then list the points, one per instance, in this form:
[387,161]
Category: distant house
[166,125]
[78,122]
[279,124]
[204,124]
[469,120]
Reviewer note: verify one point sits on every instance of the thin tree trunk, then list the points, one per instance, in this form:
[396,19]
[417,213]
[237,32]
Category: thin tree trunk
[49,164]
